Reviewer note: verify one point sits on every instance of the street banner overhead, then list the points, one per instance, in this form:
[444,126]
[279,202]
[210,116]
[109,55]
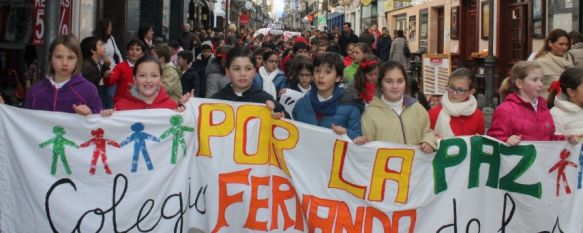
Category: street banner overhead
[229,167]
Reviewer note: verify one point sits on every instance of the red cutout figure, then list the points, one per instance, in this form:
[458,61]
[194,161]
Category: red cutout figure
[100,144]
[561,165]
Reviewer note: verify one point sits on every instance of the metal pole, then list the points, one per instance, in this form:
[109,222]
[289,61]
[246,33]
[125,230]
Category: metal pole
[227,16]
[490,65]
[51,21]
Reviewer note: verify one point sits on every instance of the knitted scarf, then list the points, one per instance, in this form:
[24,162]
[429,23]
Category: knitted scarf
[327,107]
[466,108]
[268,85]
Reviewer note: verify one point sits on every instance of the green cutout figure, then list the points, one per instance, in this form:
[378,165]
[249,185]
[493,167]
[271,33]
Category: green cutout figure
[59,142]
[177,131]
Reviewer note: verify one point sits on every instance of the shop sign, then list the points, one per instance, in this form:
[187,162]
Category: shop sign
[39,24]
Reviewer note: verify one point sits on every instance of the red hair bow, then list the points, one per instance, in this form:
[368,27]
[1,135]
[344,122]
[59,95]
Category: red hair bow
[221,55]
[366,64]
[555,86]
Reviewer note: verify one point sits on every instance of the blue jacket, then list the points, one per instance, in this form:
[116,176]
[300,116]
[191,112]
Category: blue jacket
[346,115]
[279,81]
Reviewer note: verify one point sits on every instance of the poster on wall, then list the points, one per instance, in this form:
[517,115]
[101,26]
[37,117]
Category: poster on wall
[412,27]
[436,69]
[65,15]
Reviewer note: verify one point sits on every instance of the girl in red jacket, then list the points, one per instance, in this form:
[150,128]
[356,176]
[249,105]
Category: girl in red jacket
[147,91]
[524,114]
[458,114]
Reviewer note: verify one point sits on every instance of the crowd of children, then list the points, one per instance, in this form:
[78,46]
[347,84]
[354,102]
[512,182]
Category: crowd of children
[367,99]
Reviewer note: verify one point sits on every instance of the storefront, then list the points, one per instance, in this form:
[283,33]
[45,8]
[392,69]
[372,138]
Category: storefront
[335,19]
[368,14]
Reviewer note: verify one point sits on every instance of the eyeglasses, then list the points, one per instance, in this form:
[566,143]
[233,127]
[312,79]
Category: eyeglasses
[460,91]
[273,61]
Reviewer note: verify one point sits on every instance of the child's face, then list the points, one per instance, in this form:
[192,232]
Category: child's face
[134,53]
[302,52]
[393,85]
[148,79]
[259,61]
[183,63]
[63,61]
[373,76]
[241,72]
[532,85]
[100,49]
[357,55]
[325,77]
[576,96]
[206,53]
[271,63]
[459,90]
[305,78]
[349,51]
[149,34]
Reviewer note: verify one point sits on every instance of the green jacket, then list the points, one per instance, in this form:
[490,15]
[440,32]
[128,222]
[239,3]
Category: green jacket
[349,72]
[171,81]
[380,123]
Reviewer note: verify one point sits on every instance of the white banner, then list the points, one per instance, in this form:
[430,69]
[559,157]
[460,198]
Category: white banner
[223,167]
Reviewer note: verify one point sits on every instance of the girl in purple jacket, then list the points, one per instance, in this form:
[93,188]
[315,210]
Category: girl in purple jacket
[64,89]
[524,114]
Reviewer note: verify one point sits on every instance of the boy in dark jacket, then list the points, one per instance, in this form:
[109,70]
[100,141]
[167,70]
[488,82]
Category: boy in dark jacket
[189,77]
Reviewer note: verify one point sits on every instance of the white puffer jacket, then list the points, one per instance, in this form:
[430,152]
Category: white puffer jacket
[568,117]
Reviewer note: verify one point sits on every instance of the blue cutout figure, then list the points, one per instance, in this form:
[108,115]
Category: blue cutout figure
[140,145]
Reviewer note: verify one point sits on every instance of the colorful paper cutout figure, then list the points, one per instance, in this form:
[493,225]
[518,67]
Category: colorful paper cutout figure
[59,142]
[177,131]
[560,167]
[100,144]
[139,139]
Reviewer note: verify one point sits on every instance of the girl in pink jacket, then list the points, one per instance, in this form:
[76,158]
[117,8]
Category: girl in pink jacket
[524,114]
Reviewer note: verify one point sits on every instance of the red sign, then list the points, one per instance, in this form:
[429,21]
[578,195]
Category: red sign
[38,15]
[244,19]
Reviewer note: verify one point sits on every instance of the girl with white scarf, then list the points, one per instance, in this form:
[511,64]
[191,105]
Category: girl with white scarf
[270,79]
[458,113]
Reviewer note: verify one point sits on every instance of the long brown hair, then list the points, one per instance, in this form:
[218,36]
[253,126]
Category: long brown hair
[553,37]
[367,65]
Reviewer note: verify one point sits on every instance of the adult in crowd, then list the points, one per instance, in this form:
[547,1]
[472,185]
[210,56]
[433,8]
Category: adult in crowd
[103,31]
[146,35]
[186,39]
[383,45]
[554,57]
[577,48]
[366,37]
[376,35]
[346,37]
[397,52]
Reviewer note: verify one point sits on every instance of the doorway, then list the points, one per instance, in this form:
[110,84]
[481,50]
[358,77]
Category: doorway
[440,30]
[469,29]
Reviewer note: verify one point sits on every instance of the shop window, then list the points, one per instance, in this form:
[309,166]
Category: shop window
[423,28]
